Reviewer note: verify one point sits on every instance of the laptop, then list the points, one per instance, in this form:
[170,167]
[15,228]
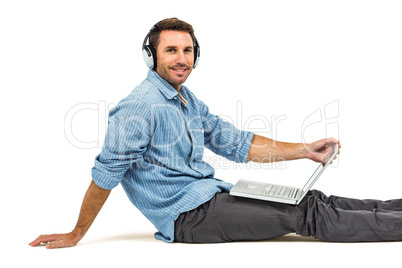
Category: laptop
[281,193]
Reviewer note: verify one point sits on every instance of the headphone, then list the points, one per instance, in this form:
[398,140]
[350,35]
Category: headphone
[149,53]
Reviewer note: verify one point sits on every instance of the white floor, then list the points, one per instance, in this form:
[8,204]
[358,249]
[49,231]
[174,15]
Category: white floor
[140,249]
[122,237]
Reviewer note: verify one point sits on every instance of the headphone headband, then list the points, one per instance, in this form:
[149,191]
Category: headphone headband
[149,53]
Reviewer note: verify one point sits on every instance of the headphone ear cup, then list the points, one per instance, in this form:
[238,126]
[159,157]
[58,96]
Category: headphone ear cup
[196,53]
[149,54]
[196,56]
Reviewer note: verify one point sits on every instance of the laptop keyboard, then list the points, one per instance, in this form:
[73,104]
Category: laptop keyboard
[280,191]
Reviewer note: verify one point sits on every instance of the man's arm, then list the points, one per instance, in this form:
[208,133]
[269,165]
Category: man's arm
[265,150]
[93,201]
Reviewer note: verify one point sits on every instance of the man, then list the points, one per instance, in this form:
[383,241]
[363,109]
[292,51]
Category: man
[154,148]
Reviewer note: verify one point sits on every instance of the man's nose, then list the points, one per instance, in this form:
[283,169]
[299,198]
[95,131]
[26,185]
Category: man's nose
[180,58]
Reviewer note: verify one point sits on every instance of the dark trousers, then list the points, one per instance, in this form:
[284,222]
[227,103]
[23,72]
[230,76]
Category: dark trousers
[226,218]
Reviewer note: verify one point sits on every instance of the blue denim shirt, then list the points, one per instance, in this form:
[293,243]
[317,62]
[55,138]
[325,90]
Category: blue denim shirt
[154,147]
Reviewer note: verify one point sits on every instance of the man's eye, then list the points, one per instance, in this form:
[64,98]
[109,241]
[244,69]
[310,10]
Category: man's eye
[171,50]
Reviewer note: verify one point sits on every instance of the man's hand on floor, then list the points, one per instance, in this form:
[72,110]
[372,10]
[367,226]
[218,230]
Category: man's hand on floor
[57,240]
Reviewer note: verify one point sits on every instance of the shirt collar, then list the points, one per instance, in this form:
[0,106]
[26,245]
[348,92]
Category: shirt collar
[164,87]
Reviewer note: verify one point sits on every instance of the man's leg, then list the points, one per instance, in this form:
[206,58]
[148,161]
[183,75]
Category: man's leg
[226,218]
[341,219]
[358,204]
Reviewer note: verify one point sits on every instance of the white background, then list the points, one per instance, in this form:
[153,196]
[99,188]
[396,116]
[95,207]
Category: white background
[259,60]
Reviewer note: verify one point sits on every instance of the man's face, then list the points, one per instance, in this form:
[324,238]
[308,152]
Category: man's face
[175,57]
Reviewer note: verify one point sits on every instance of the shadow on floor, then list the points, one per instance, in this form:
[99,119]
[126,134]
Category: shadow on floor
[294,238]
[149,238]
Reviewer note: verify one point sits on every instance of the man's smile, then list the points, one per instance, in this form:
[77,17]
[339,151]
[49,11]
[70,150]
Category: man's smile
[179,70]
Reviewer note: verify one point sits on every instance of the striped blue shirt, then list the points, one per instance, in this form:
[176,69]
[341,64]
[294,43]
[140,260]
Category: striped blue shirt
[154,147]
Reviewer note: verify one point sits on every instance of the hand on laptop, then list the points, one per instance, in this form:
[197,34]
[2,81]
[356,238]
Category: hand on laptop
[319,149]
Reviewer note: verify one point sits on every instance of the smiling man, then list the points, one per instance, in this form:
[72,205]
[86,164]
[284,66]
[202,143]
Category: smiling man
[154,149]
[175,57]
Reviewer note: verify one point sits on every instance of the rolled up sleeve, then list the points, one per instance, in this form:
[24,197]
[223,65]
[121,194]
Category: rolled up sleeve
[128,134]
[223,138]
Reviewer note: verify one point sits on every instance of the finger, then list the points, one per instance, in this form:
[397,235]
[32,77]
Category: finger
[334,141]
[59,244]
[331,141]
[37,241]
[55,244]
[42,239]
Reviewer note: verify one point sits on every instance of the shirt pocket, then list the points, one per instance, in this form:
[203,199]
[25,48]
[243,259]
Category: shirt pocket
[197,137]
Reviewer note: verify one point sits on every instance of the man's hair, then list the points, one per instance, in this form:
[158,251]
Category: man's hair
[171,24]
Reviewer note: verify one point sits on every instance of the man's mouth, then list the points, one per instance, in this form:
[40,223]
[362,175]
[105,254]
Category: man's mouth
[179,70]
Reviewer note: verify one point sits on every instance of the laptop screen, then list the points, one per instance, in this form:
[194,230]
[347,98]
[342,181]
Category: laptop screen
[320,169]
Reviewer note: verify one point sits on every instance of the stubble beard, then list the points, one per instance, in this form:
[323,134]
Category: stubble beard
[164,73]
